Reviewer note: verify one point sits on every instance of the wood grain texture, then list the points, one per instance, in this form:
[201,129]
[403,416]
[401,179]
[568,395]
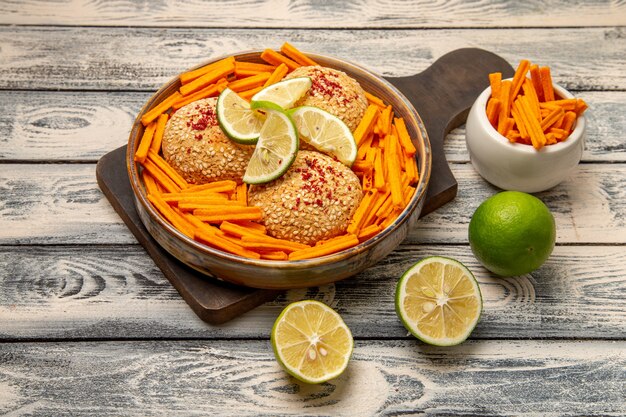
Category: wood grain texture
[304,13]
[94,58]
[117,292]
[486,378]
[69,126]
[61,204]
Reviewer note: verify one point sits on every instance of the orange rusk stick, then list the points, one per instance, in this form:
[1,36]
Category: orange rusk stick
[160,177]
[367,124]
[247,95]
[214,187]
[546,83]
[239,230]
[277,75]
[368,180]
[405,139]
[278,255]
[535,77]
[495,80]
[568,121]
[380,200]
[170,215]
[249,82]
[365,146]
[167,168]
[493,110]
[158,134]
[529,91]
[174,198]
[369,232]
[326,249]
[362,166]
[160,108]
[150,183]
[504,99]
[192,75]
[296,55]
[411,169]
[207,79]
[379,172]
[251,225]
[221,213]
[384,121]
[274,58]
[220,243]
[192,205]
[519,121]
[565,104]
[581,106]
[242,193]
[552,118]
[266,246]
[533,127]
[362,210]
[393,169]
[254,66]
[518,80]
[257,238]
[372,99]
[209,91]
[144,145]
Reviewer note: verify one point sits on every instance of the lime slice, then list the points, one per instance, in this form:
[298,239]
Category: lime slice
[275,151]
[284,93]
[311,341]
[265,105]
[438,300]
[240,123]
[325,132]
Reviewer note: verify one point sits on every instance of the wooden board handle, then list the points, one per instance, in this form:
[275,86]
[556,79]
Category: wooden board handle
[443,95]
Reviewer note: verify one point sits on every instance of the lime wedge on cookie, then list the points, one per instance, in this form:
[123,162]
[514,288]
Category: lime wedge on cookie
[275,150]
[325,132]
[237,119]
[283,94]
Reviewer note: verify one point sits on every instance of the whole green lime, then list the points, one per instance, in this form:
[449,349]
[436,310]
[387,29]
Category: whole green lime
[512,233]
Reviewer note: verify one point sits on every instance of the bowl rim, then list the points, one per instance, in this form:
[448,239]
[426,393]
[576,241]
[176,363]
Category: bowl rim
[424,165]
[572,140]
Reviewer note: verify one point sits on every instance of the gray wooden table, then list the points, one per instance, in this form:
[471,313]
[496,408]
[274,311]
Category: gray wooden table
[89,325]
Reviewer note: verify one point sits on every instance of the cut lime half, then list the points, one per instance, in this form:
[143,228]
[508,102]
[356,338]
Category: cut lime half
[439,301]
[275,150]
[311,341]
[238,121]
[284,93]
[325,132]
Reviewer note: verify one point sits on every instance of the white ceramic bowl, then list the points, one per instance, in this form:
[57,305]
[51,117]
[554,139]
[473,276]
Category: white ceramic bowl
[515,166]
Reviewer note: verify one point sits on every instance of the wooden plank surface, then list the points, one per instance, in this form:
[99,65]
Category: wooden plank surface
[91,58]
[52,293]
[61,204]
[384,378]
[83,126]
[302,13]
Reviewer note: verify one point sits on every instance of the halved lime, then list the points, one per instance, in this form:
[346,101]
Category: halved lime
[240,123]
[325,132]
[284,93]
[275,150]
[311,341]
[439,301]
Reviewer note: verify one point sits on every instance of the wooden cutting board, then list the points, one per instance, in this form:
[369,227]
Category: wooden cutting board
[442,95]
